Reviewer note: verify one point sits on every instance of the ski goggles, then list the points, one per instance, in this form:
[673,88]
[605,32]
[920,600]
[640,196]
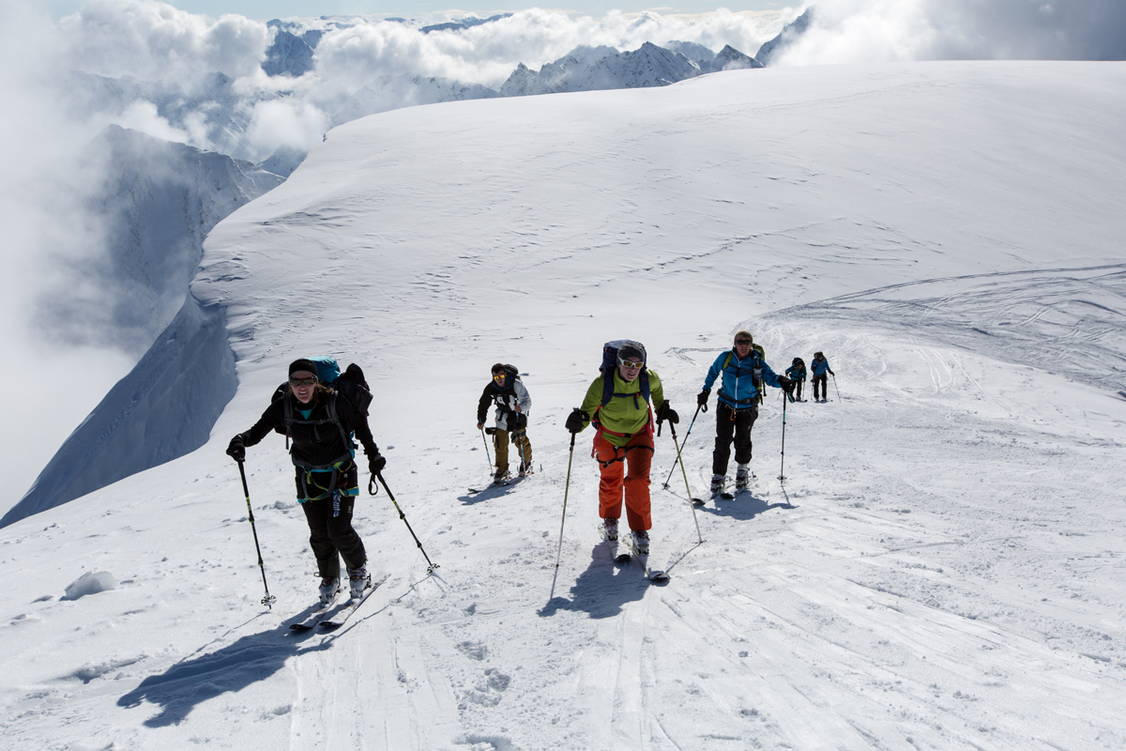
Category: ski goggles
[743,341]
[498,377]
[295,382]
[632,364]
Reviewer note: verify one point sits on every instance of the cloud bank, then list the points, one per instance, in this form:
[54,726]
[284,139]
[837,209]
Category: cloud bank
[865,31]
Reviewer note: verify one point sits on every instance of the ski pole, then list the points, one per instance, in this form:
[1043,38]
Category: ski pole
[835,386]
[566,490]
[430,568]
[269,599]
[488,458]
[673,467]
[782,468]
[692,501]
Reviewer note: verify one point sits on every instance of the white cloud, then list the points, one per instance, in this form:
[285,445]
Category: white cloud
[278,123]
[141,115]
[153,41]
[847,31]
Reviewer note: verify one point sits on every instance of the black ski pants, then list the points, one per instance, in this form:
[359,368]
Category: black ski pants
[797,389]
[331,535]
[822,381]
[732,423]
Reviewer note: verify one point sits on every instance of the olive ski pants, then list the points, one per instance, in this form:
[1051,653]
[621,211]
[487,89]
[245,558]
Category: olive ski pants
[523,447]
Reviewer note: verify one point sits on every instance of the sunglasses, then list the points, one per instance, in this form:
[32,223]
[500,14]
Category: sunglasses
[632,364]
[743,341]
[295,382]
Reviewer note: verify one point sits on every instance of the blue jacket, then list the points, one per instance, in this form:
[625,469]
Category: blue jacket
[737,390]
[796,372]
[820,367]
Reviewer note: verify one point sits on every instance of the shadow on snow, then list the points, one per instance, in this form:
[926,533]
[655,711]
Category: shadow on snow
[603,588]
[253,658]
[489,492]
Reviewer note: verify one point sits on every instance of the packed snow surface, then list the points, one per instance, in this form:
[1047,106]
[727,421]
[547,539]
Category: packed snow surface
[942,567]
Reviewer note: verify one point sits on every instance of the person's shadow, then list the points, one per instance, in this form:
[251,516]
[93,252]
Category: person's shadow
[489,492]
[603,588]
[745,506]
[254,657]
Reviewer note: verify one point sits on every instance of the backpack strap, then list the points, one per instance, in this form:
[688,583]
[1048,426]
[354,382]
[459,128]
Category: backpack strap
[608,388]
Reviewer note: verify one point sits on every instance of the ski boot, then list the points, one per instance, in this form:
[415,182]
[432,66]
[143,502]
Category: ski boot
[526,469]
[718,481]
[358,580]
[610,529]
[330,586]
[640,541]
[502,478]
[742,477]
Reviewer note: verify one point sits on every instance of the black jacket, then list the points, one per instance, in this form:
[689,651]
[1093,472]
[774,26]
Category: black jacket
[315,441]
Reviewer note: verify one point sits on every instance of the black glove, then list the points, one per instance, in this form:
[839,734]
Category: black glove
[576,420]
[236,449]
[786,383]
[702,397]
[665,412]
[376,463]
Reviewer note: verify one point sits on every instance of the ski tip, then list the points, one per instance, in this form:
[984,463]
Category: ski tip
[622,559]
[658,577]
[329,625]
[697,501]
[300,627]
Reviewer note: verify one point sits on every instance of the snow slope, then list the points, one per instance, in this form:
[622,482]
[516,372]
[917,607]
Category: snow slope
[941,569]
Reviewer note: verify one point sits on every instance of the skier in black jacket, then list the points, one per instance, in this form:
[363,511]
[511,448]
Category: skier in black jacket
[513,403]
[318,423]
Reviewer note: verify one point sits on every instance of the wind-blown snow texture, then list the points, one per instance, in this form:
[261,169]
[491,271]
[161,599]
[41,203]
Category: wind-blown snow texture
[942,568]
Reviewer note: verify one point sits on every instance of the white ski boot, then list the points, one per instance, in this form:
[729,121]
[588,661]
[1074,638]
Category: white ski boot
[640,541]
[329,588]
[742,477]
[358,580]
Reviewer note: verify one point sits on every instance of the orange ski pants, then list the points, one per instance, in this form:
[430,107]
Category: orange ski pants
[625,468]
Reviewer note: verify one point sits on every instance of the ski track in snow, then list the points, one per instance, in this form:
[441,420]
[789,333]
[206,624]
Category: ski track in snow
[941,569]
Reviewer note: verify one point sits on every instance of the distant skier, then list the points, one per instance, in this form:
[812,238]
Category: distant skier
[623,440]
[738,399]
[796,373]
[318,422]
[820,366]
[513,403]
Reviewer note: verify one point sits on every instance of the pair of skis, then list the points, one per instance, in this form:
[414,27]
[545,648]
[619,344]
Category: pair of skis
[624,558]
[326,618]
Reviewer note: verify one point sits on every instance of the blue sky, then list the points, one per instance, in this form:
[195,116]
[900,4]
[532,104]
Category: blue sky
[266,9]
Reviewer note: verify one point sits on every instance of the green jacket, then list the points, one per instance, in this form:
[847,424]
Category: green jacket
[622,414]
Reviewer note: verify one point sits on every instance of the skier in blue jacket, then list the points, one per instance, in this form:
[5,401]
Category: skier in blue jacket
[820,366]
[737,411]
